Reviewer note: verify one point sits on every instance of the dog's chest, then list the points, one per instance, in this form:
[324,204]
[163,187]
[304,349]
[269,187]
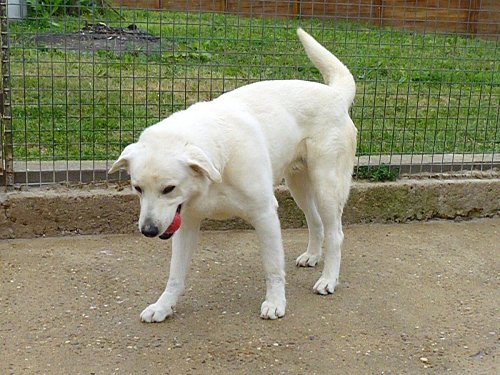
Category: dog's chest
[219,205]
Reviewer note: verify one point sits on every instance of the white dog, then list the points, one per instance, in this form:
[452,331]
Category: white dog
[222,158]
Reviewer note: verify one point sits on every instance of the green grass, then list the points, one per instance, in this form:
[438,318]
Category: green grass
[417,93]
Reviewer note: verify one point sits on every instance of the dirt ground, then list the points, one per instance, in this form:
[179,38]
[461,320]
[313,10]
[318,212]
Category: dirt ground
[101,37]
[419,298]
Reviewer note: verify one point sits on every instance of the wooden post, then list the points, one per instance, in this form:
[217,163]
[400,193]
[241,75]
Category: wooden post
[379,12]
[472,16]
[295,8]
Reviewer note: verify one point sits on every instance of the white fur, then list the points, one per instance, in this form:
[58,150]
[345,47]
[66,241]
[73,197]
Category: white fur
[224,158]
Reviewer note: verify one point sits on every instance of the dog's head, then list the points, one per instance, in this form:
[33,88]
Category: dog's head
[165,179]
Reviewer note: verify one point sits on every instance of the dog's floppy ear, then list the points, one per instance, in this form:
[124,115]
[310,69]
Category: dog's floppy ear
[200,163]
[123,160]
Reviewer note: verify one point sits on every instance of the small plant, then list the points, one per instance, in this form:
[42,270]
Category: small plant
[379,174]
[51,8]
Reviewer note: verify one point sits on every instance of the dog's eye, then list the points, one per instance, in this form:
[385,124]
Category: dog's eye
[168,189]
[138,189]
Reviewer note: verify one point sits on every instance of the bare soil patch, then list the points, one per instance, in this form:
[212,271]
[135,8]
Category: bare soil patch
[101,37]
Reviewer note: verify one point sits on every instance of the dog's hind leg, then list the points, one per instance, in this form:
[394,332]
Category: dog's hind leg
[331,202]
[330,172]
[300,187]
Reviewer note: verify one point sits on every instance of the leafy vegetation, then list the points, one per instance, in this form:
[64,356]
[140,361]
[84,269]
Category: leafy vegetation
[50,8]
[377,174]
[417,93]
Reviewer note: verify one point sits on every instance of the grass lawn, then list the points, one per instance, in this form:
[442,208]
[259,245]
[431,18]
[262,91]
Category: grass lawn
[417,93]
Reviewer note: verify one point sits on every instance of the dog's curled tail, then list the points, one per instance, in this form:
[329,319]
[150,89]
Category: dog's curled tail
[334,72]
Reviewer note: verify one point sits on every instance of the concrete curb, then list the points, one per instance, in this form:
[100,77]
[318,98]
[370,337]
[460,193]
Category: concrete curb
[64,211]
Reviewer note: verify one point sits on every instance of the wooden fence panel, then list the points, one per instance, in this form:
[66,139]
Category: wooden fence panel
[203,5]
[367,10]
[281,8]
[480,17]
[488,18]
[140,4]
[193,5]
[442,15]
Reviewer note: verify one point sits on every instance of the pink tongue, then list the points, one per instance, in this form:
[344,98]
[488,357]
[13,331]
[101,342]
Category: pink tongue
[176,223]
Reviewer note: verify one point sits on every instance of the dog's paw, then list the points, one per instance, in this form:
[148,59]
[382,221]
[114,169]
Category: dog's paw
[271,310]
[155,313]
[325,286]
[307,260]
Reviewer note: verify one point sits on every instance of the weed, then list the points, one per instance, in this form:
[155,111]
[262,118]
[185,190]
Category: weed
[376,173]
[44,9]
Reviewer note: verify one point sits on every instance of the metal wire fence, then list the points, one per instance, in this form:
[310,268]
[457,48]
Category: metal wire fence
[81,79]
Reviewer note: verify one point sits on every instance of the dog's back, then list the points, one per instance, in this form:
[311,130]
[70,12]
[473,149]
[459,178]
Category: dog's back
[287,114]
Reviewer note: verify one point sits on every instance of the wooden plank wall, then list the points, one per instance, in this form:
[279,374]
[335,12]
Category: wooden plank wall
[368,10]
[442,15]
[279,8]
[480,17]
[488,18]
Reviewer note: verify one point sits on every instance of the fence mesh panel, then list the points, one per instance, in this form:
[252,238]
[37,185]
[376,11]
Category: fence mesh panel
[87,76]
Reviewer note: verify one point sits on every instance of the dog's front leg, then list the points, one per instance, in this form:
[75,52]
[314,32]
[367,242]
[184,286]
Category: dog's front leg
[268,231]
[183,245]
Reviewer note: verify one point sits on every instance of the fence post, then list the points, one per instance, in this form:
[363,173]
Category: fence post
[472,16]
[379,13]
[5,104]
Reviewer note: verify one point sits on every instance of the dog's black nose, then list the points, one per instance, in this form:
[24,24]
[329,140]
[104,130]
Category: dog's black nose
[150,230]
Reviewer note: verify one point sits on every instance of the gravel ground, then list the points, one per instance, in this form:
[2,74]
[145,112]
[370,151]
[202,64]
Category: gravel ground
[419,298]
